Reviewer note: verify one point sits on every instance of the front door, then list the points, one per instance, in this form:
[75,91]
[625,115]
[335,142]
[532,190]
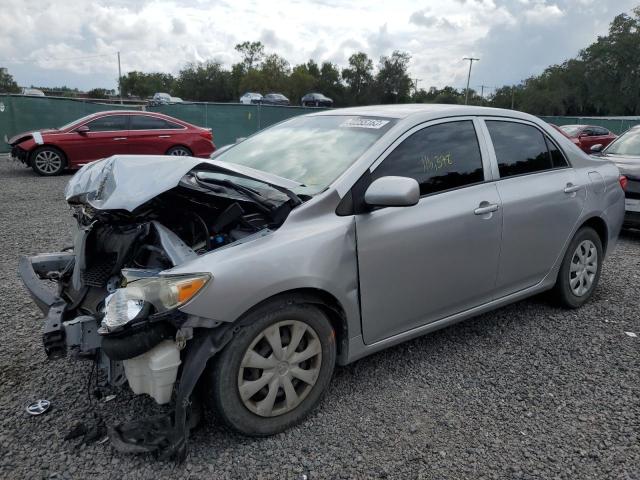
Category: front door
[107,135]
[422,263]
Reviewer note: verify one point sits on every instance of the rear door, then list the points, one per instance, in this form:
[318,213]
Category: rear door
[107,135]
[151,135]
[422,263]
[542,198]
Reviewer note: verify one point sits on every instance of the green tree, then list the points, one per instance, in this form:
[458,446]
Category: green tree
[7,83]
[393,80]
[301,81]
[101,93]
[275,71]
[358,77]
[330,83]
[252,54]
[206,81]
[144,85]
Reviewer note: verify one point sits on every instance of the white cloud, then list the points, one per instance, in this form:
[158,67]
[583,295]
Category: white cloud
[542,13]
[74,43]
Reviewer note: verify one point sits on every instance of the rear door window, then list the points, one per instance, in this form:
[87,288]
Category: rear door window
[520,148]
[109,123]
[440,157]
[146,122]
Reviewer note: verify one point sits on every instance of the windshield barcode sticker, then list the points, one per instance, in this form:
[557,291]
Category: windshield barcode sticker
[364,123]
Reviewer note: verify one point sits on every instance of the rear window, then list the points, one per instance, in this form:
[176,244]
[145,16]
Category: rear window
[520,148]
[146,122]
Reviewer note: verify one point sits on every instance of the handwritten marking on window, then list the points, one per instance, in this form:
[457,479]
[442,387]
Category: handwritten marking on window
[434,163]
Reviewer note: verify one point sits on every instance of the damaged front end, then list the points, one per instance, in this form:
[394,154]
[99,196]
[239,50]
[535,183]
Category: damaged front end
[116,301]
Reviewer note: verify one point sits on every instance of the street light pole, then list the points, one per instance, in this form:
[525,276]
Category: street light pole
[119,79]
[471,60]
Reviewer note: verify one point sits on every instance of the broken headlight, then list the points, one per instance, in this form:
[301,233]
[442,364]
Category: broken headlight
[162,293]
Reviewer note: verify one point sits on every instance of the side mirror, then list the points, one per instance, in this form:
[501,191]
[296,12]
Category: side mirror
[392,192]
[82,130]
[596,148]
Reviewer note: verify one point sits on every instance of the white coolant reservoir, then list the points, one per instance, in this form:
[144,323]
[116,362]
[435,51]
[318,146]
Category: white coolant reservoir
[155,371]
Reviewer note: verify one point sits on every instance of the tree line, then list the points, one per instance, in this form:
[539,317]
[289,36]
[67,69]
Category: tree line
[604,79]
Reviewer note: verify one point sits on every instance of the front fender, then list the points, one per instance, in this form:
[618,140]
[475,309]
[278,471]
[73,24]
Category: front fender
[318,253]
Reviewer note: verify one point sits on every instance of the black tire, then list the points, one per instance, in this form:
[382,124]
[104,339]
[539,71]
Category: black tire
[223,394]
[180,148]
[563,291]
[48,161]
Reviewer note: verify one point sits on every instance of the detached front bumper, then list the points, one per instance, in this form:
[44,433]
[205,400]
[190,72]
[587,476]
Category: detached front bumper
[34,272]
[19,154]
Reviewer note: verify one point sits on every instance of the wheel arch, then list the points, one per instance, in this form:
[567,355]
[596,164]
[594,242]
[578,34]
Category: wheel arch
[322,299]
[178,145]
[600,226]
[37,147]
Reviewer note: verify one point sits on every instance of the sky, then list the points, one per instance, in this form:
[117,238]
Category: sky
[74,43]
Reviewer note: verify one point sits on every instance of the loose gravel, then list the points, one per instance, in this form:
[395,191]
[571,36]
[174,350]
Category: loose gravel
[530,391]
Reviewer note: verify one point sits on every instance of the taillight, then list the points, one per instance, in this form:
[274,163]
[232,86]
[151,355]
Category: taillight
[208,134]
[623,182]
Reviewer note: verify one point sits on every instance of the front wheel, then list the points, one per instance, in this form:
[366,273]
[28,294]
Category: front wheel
[580,269]
[275,370]
[48,161]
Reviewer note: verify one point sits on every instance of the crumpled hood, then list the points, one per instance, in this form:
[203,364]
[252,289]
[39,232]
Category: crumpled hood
[21,137]
[124,182]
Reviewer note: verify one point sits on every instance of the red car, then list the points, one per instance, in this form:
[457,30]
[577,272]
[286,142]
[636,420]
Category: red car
[104,134]
[586,136]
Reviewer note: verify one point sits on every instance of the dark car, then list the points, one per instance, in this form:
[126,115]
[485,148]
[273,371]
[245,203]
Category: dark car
[586,136]
[103,134]
[316,100]
[275,99]
[625,153]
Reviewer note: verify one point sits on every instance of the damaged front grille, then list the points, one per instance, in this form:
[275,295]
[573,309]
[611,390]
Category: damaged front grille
[100,270]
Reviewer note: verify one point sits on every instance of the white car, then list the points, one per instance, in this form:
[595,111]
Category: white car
[250,97]
[33,92]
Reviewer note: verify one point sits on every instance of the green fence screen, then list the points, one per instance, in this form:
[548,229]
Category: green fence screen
[229,121]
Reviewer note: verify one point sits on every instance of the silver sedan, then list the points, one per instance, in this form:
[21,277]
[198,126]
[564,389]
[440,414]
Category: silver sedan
[318,241]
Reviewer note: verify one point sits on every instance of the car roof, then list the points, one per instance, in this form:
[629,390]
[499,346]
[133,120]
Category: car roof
[401,111]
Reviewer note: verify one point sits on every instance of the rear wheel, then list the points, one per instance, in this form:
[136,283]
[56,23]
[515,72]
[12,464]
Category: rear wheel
[580,269]
[48,161]
[179,151]
[275,370]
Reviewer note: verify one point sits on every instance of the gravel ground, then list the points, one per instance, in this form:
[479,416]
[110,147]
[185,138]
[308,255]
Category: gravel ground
[529,391]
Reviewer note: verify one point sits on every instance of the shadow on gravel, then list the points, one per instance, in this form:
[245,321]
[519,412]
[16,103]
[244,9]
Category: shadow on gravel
[630,234]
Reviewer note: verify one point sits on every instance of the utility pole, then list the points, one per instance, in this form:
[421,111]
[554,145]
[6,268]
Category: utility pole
[471,60]
[482,91]
[513,94]
[119,79]
[415,85]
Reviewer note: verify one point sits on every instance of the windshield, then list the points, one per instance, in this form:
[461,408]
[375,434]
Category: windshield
[571,130]
[311,150]
[627,144]
[75,122]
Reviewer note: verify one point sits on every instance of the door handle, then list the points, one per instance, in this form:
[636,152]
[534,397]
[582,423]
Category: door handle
[571,188]
[119,138]
[164,136]
[486,208]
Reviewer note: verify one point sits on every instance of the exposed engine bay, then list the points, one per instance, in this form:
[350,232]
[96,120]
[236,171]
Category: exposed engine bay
[198,216]
[114,303]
